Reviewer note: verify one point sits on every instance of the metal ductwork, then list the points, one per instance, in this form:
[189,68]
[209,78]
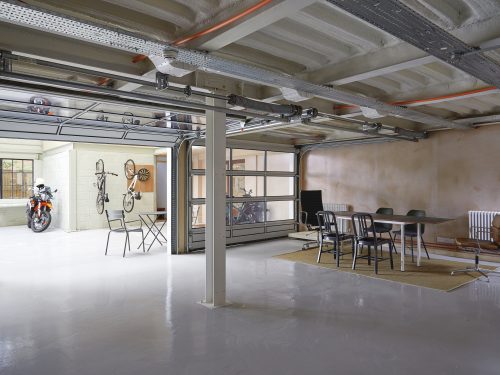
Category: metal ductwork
[404,23]
[287,110]
[31,17]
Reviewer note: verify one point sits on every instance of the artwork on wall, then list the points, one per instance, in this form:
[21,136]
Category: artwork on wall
[145,178]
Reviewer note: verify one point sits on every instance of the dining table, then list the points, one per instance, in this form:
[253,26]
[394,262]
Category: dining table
[400,220]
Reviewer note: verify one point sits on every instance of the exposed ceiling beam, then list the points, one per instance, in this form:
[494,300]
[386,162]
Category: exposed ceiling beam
[404,23]
[480,120]
[268,15]
[48,22]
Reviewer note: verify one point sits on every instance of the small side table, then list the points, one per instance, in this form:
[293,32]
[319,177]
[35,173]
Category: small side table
[151,219]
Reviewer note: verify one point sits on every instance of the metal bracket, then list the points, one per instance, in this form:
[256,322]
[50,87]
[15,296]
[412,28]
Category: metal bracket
[161,81]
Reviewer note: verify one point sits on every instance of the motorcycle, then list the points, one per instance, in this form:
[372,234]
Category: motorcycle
[248,212]
[38,209]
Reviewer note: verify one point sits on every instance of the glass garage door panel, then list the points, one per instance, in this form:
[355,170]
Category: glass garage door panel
[248,213]
[199,185]
[248,186]
[280,210]
[248,160]
[280,161]
[280,186]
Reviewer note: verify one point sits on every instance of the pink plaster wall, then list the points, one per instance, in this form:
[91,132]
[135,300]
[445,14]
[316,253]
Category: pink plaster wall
[447,175]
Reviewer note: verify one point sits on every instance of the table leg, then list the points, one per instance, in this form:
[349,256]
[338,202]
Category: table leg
[419,244]
[403,247]
[146,235]
[153,224]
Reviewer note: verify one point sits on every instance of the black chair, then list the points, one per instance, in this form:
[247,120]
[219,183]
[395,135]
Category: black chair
[311,202]
[118,216]
[381,228]
[328,231]
[411,231]
[364,235]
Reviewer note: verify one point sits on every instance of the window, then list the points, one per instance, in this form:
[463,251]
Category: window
[248,160]
[17,178]
[280,161]
[277,186]
[199,157]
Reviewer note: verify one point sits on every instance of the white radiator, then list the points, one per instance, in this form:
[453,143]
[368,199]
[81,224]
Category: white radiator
[480,224]
[342,224]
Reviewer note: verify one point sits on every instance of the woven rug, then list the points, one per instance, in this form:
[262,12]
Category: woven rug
[433,273]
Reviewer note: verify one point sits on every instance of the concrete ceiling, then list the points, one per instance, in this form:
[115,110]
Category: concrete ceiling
[311,40]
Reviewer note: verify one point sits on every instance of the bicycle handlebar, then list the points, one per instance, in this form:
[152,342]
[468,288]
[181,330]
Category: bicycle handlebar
[114,174]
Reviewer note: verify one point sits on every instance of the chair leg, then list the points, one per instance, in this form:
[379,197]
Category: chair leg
[355,256]
[107,243]
[411,240]
[143,248]
[320,250]
[425,247]
[370,255]
[392,242]
[128,237]
[376,259]
[390,256]
[337,250]
[125,247]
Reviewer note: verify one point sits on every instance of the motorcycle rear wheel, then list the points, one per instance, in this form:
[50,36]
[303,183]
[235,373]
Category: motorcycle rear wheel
[40,224]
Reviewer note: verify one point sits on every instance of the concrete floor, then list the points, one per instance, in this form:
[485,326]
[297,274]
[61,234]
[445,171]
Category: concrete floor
[67,309]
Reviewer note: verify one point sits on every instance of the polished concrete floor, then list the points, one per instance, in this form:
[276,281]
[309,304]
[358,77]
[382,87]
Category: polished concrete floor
[67,309]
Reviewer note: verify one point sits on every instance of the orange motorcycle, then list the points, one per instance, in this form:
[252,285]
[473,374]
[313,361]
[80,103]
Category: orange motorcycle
[38,209]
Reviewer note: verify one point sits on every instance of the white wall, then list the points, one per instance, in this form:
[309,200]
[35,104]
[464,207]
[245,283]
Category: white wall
[56,173]
[114,158]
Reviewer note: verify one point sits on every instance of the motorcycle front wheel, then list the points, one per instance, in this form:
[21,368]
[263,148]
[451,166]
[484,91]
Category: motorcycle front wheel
[128,202]
[39,224]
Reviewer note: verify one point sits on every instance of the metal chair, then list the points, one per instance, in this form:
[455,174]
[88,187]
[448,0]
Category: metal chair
[411,231]
[477,245]
[364,235]
[118,216]
[381,228]
[328,231]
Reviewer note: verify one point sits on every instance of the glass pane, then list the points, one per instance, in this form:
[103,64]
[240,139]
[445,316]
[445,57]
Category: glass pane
[6,185]
[248,160]
[199,215]
[28,180]
[280,186]
[18,165]
[199,185]
[7,165]
[27,165]
[248,212]
[248,186]
[280,161]
[199,158]
[280,210]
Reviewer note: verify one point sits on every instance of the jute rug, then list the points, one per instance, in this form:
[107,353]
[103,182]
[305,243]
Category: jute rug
[433,273]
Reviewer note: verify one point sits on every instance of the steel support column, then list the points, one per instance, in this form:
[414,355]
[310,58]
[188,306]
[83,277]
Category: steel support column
[215,234]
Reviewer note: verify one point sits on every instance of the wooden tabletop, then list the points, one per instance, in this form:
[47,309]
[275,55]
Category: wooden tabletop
[395,219]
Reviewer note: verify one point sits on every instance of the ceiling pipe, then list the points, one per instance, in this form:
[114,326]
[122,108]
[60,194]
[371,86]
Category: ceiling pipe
[211,29]
[436,99]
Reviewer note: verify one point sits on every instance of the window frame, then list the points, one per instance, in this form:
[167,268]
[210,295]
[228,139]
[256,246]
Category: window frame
[23,172]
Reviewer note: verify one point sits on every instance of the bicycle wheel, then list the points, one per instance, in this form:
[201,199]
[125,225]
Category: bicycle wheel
[99,166]
[99,203]
[129,169]
[128,202]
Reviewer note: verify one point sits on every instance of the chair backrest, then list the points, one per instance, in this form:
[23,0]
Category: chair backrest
[311,202]
[327,222]
[115,215]
[384,211]
[362,224]
[413,227]
[495,230]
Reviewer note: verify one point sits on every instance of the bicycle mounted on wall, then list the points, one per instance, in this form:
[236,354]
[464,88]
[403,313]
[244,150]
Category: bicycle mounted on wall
[131,195]
[102,196]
